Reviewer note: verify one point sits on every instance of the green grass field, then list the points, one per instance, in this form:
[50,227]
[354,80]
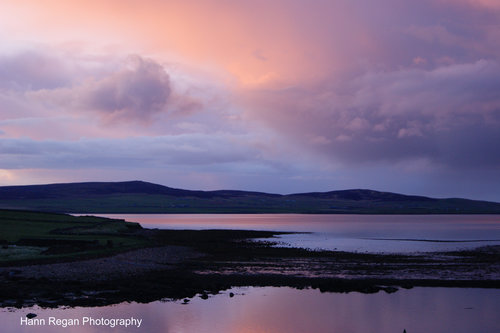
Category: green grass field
[33,236]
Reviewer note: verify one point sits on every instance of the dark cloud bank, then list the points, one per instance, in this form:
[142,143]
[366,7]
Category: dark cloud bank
[449,116]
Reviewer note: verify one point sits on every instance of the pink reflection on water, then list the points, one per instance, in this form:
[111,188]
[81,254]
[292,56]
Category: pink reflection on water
[286,310]
[371,233]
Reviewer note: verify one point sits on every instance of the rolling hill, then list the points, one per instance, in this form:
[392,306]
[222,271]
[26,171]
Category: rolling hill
[143,197]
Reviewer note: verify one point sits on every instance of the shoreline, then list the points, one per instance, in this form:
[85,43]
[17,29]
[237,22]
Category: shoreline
[183,263]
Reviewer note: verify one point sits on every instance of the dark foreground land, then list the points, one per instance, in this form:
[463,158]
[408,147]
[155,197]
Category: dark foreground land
[55,259]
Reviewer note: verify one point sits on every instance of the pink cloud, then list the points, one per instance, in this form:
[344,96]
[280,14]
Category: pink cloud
[419,61]
[490,4]
[102,96]
[137,90]
[337,84]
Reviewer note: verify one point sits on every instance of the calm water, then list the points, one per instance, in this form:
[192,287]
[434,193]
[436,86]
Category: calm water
[280,310]
[286,310]
[371,233]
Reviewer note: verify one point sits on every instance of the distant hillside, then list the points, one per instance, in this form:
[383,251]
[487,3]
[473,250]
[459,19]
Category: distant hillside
[143,197]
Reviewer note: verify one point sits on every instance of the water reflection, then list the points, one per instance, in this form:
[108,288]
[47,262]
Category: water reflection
[280,310]
[371,233]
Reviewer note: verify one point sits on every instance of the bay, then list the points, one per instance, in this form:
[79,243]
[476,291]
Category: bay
[278,310]
[353,233]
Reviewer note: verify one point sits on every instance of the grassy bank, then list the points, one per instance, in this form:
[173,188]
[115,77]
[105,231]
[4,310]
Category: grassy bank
[42,237]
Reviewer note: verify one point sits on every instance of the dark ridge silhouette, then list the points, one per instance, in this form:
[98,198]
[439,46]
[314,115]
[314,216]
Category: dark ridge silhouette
[362,194]
[143,197]
[102,188]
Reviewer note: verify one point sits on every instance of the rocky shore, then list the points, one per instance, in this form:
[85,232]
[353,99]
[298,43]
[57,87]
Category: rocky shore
[132,263]
[185,263]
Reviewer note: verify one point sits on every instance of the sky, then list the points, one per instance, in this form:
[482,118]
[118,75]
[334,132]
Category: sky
[280,96]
